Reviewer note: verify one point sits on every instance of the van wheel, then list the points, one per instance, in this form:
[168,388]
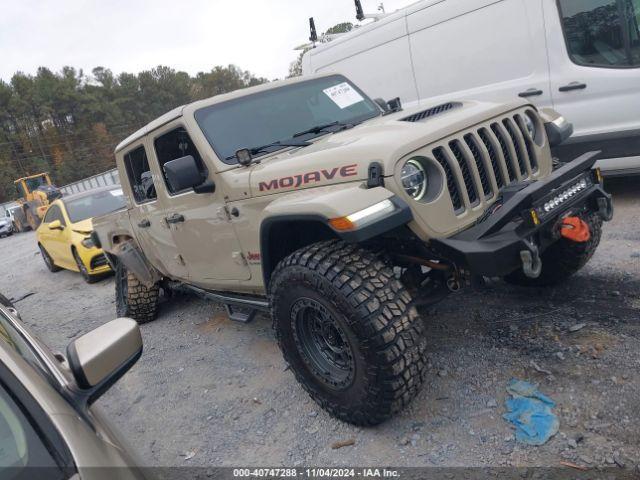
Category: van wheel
[48,261]
[346,328]
[134,299]
[563,258]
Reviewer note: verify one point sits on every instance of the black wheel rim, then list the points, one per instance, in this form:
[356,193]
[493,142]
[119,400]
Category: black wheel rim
[323,344]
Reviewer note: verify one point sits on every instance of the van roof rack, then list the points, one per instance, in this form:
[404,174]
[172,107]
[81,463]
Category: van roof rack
[360,15]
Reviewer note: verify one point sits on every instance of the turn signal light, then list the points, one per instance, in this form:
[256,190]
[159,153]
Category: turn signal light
[363,217]
[342,224]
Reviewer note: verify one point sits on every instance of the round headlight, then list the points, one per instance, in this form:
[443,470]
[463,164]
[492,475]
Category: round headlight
[530,125]
[414,179]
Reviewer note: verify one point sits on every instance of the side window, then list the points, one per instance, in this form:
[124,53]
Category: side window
[176,144]
[54,213]
[602,33]
[21,447]
[139,173]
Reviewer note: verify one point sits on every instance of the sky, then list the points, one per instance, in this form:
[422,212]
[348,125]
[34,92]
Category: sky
[189,35]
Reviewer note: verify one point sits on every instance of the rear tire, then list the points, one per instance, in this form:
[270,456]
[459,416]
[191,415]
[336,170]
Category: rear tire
[134,299]
[347,329]
[563,258]
[48,261]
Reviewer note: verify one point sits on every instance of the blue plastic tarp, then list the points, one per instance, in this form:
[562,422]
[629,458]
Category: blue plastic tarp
[531,413]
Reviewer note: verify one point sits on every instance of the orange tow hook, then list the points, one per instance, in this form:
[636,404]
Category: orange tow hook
[575,229]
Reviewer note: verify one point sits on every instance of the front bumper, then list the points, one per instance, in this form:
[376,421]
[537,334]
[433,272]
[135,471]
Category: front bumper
[513,238]
[6,229]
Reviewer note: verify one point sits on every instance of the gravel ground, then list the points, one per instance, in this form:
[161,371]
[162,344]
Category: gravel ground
[211,392]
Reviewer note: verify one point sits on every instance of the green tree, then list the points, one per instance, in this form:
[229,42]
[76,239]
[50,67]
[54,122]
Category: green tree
[68,123]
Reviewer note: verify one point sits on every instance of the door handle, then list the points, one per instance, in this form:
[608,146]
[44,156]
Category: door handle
[175,218]
[573,86]
[144,223]
[532,92]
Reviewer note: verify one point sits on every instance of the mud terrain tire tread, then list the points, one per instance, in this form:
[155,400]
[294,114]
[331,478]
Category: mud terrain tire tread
[563,258]
[377,310]
[138,302]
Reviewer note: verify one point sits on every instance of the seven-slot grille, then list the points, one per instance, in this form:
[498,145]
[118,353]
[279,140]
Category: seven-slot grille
[479,163]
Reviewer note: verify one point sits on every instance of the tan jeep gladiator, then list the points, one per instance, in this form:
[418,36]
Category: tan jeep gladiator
[339,215]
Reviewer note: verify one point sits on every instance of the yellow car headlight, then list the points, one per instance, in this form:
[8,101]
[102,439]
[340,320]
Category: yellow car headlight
[88,243]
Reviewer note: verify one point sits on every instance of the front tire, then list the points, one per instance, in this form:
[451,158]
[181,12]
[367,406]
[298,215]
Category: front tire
[347,329]
[134,299]
[83,269]
[562,259]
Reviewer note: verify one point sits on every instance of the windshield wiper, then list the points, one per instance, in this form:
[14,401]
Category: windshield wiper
[321,128]
[279,143]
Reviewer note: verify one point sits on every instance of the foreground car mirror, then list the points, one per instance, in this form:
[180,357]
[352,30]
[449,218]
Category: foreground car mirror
[56,225]
[101,357]
[558,128]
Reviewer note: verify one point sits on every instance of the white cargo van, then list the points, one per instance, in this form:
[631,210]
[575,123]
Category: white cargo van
[581,57]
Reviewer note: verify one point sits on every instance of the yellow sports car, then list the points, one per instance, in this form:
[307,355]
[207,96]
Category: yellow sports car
[64,237]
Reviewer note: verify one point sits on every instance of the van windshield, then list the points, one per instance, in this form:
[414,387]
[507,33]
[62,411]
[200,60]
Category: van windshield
[278,115]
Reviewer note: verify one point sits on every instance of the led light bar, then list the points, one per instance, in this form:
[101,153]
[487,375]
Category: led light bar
[559,199]
[566,195]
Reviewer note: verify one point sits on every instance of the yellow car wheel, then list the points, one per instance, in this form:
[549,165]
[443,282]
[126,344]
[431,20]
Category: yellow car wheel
[83,269]
[48,261]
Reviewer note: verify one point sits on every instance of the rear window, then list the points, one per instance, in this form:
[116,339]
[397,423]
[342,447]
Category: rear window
[95,205]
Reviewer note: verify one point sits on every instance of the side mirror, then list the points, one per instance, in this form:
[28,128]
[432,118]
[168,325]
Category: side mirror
[395,105]
[183,173]
[56,225]
[384,106]
[557,127]
[101,357]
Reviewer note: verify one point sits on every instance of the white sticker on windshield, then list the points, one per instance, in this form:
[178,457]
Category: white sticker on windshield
[116,193]
[343,95]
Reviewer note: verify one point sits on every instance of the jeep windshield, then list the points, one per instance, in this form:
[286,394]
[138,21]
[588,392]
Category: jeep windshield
[306,109]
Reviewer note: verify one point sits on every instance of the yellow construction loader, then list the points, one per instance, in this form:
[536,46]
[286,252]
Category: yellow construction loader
[35,193]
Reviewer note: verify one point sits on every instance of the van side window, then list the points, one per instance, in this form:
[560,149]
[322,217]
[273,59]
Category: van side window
[602,33]
[54,213]
[139,173]
[176,144]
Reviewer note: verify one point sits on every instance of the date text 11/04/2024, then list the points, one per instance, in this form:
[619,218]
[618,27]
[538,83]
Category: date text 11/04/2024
[316,472]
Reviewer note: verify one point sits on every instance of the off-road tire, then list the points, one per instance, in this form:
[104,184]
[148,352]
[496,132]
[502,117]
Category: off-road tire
[563,258]
[48,261]
[134,299]
[374,312]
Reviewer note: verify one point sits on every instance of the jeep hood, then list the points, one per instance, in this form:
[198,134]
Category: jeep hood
[346,156]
